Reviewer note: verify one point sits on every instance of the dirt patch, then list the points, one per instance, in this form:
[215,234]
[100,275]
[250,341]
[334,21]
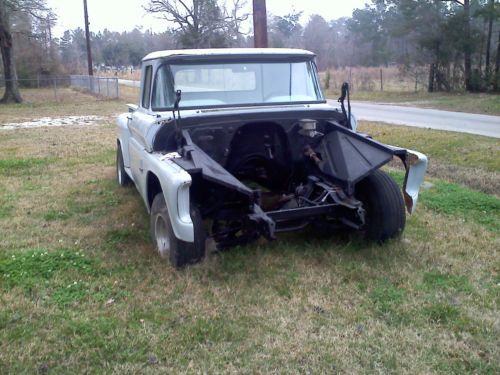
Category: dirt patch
[53,121]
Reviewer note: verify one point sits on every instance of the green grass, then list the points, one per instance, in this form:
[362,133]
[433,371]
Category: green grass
[460,102]
[451,199]
[33,268]
[438,281]
[457,149]
[458,201]
[81,290]
[472,161]
[23,166]
[6,206]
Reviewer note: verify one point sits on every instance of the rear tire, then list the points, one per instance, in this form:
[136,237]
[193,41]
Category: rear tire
[121,175]
[384,205]
[180,253]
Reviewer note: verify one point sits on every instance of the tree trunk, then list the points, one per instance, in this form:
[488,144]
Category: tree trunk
[496,86]
[11,94]
[488,40]
[468,47]
[432,74]
[481,50]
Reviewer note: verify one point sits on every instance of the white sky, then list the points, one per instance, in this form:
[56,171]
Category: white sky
[121,15]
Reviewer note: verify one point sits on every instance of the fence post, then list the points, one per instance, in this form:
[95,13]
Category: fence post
[381,81]
[117,89]
[55,88]
[107,87]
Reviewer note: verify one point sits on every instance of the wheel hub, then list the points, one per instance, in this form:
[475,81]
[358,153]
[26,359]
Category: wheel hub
[162,236]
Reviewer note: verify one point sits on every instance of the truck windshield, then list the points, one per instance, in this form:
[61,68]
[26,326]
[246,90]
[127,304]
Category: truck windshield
[235,84]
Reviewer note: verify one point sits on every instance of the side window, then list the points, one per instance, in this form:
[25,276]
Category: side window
[163,90]
[146,93]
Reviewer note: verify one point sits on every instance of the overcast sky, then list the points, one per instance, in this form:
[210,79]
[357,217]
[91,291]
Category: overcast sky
[121,15]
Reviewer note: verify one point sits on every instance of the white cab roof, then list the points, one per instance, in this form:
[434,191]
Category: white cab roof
[227,52]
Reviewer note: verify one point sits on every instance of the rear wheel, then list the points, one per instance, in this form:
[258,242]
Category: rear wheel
[121,175]
[384,205]
[180,253]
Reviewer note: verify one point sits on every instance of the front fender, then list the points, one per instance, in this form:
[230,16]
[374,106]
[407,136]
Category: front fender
[175,183]
[124,137]
[416,166]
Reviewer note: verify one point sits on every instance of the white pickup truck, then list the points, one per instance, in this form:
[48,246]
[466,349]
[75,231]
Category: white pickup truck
[235,144]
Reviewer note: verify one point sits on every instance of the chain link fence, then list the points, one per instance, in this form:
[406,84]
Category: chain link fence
[103,86]
[50,85]
[59,86]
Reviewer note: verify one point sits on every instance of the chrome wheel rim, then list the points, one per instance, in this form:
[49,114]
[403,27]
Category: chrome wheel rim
[119,174]
[162,236]
[119,168]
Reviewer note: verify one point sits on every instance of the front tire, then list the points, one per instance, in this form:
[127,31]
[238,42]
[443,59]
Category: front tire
[384,205]
[121,175]
[180,253]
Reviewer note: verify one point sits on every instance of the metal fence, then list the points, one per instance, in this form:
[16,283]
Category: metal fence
[41,82]
[48,85]
[103,86]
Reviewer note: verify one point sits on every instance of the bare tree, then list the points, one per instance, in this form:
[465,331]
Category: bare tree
[200,22]
[35,8]
[234,16]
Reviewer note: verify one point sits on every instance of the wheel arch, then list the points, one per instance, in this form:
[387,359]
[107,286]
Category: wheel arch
[153,187]
[174,183]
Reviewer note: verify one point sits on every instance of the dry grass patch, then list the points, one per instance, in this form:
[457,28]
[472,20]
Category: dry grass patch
[129,94]
[81,290]
[68,102]
[471,160]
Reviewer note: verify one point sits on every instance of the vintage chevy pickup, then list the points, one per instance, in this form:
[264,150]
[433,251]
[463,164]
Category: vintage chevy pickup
[236,144]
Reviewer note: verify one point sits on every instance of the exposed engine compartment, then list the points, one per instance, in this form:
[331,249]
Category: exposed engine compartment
[276,171]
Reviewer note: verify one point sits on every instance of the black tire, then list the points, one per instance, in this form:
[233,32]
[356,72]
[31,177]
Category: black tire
[385,210]
[121,176]
[179,253]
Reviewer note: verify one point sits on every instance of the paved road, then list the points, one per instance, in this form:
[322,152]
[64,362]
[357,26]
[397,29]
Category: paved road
[411,116]
[427,118]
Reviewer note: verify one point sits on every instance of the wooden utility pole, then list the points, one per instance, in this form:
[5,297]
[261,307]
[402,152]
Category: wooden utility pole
[260,24]
[87,36]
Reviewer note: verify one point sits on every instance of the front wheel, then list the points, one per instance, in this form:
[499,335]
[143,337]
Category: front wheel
[384,205]
[121,175]
[180,253]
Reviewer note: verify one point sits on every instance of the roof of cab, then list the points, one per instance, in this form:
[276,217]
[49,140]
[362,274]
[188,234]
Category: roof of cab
[243,52]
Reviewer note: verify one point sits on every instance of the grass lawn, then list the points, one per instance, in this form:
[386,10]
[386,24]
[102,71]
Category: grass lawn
[43,103]
[488,104]
[470,160]
[81,290]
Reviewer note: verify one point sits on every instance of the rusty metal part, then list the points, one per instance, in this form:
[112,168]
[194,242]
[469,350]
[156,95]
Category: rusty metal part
[310,153]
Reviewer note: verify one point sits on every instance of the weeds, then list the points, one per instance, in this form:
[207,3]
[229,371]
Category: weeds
[33,267]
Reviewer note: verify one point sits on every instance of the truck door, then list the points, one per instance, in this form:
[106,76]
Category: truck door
[138,125]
